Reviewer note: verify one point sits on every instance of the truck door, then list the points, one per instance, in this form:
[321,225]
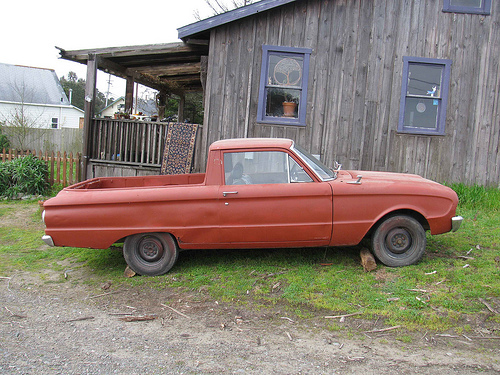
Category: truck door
[269,200]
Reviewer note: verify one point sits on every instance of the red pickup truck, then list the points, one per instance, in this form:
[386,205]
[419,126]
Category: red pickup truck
[256,193]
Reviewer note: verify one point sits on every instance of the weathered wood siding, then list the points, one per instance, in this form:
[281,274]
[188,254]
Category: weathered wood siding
[355,82]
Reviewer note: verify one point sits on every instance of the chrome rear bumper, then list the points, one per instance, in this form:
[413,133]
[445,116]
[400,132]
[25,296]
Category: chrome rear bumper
[48,240]
[456,222]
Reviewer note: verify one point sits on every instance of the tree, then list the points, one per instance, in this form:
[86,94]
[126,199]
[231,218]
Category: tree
[77,85]
[20,122]
[193,108]
[223,6]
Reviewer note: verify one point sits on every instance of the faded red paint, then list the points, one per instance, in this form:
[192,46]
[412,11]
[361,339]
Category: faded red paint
[99,212]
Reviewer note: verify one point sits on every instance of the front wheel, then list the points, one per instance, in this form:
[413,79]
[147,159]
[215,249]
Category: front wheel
[399,241]
[150,254]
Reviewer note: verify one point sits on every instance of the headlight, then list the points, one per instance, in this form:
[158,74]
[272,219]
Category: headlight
[43,216]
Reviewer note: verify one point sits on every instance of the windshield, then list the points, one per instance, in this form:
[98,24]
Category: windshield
[321,170]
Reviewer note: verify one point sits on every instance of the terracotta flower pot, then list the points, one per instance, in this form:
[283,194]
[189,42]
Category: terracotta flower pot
[289,109]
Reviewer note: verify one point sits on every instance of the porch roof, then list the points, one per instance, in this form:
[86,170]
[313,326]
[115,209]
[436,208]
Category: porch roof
[170,67]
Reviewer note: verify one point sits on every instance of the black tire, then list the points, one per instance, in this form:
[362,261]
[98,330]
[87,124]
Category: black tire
[399,241]
[150,254]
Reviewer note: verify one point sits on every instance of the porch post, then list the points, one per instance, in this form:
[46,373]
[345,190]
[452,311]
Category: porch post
[161,101]
[89,106]
[203,72]
[180,108]
[129,95]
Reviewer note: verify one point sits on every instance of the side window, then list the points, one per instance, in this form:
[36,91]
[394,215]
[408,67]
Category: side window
[283,85]
[297,173]
[424,96]
[467,6]
[262,167]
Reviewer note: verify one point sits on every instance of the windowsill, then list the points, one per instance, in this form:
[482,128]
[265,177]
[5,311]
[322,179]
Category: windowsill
[285,121]
[464,11]
[416,132]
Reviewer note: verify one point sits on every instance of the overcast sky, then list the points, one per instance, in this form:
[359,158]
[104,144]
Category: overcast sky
[31,29]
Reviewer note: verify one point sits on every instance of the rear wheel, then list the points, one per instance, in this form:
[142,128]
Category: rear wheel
[399,241]
[150,254]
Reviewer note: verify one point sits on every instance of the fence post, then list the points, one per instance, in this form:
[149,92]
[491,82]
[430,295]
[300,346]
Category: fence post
[65,166]
[58,167]
[52,171]
[78,167]
[70,178]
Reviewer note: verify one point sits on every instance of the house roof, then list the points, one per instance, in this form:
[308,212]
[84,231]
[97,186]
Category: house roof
[174,67]
[121,98]
[24,84]
[201,28]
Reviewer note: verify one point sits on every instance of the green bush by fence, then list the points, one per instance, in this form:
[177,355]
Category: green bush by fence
[24,176]
[63,169]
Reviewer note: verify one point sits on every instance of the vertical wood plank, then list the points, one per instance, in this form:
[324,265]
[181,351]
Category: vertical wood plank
[64,169]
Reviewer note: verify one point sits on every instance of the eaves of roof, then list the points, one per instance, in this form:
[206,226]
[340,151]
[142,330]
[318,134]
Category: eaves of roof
[68,106]
[202,26]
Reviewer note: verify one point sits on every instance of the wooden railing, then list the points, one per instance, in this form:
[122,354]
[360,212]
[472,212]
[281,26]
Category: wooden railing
[128,141]
[64,169]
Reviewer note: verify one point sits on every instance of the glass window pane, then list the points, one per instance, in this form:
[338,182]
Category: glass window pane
[282,102]
[421,113]
[425,79]
[264,167]
[467,3]
[297,173]
[285,70]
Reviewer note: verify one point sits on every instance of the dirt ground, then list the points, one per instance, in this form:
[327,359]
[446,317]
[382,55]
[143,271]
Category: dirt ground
[69,328]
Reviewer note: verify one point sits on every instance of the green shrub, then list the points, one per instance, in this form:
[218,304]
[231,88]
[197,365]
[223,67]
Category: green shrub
[6,181]
[26,175]
[4,141]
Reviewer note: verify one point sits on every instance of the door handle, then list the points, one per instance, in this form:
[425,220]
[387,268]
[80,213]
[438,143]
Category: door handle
[225,193]
[357,182]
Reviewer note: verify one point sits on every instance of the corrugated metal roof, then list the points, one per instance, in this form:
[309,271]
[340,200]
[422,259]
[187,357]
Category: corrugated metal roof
[24,84]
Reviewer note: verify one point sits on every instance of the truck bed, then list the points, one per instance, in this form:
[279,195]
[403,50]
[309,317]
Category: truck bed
[139,181]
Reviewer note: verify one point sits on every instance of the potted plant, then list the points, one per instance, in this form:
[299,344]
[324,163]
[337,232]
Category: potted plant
[121,115]
[289,105]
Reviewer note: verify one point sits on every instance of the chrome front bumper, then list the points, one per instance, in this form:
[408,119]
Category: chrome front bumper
[456,222]
[48,240]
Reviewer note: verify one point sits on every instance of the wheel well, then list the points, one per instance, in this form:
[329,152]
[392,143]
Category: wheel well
[122,240]
[414,214]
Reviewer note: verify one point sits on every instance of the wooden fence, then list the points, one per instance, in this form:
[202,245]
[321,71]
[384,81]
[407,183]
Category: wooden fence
[64,169]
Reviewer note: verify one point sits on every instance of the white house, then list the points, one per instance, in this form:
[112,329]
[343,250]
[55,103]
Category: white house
[117,105]
[37,95]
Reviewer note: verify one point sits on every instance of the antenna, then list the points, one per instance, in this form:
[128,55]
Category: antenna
[107,92]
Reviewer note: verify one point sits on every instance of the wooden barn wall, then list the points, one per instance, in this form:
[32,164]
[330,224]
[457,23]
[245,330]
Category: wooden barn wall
[355,82]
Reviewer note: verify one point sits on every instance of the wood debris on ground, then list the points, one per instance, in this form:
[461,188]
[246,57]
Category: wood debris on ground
[367,260]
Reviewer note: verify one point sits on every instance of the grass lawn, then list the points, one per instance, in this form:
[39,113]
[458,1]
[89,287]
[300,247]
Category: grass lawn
[451,289]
